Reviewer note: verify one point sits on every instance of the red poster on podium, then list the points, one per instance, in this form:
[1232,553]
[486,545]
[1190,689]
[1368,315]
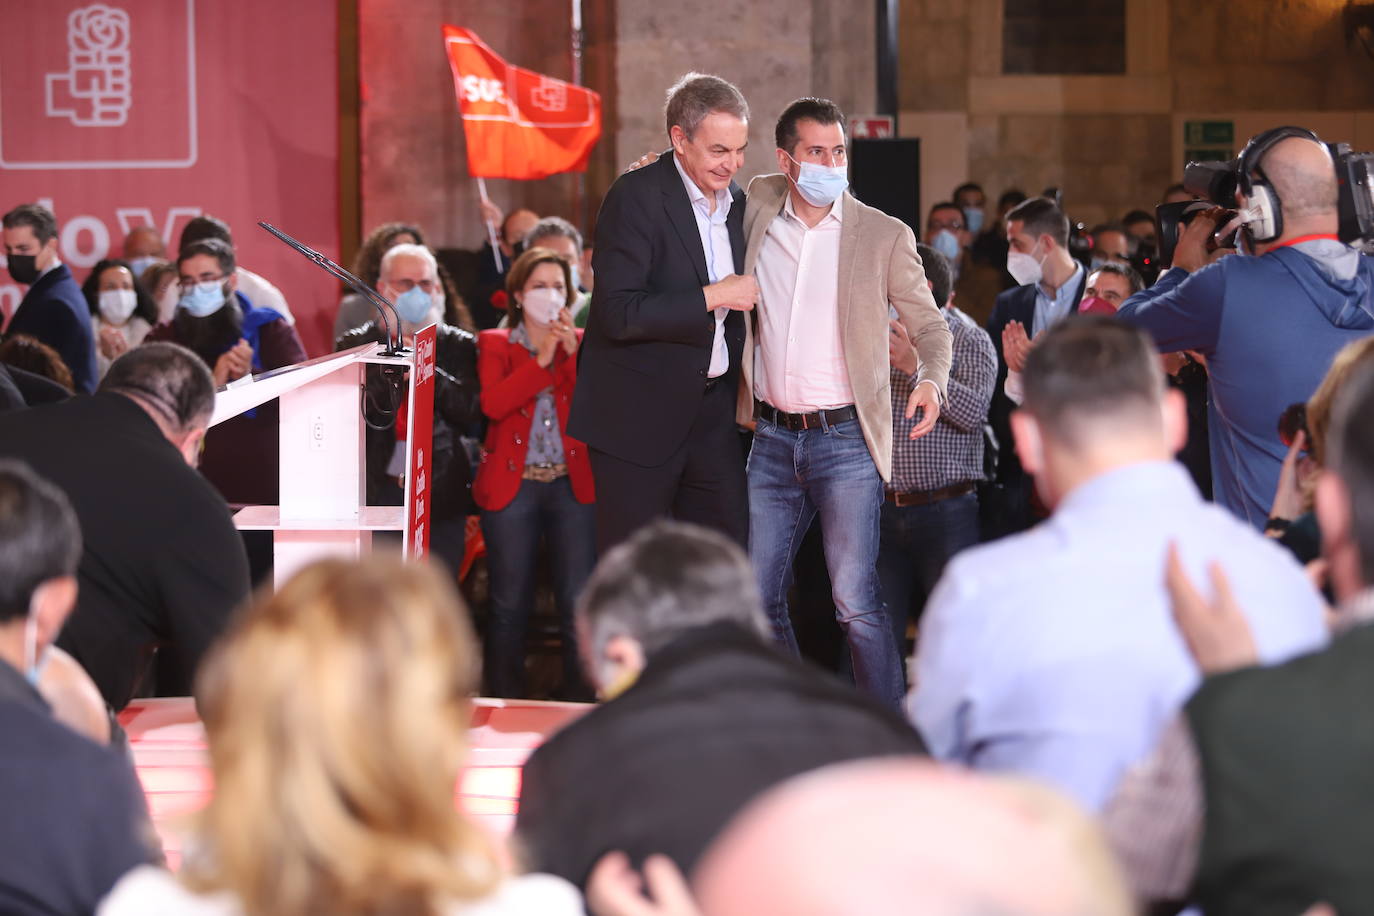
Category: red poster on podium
[420,441]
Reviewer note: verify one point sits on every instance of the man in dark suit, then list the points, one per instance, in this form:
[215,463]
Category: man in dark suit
[1050,288]
[53,311]
[659,365]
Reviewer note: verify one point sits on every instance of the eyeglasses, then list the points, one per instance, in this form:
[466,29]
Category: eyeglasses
[953,225]
[405,286]
[186,283]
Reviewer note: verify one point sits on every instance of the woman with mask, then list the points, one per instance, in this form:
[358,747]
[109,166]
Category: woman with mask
[534,482]
[335,713]
[122,313]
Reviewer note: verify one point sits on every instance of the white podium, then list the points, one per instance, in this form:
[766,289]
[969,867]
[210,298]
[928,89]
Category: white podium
[322,445]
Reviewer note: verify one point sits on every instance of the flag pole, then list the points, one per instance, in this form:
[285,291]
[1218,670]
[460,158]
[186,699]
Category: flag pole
[491,227]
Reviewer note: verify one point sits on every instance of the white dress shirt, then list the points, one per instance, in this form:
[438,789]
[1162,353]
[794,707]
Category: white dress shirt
[799,365]
[720,259]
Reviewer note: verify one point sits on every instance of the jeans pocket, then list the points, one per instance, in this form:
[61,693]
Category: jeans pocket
[849,429]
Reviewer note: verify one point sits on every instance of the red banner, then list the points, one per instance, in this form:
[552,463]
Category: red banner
[150,112]
[518,123]
[419,445]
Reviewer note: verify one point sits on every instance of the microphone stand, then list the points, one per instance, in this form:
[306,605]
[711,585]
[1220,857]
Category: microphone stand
[379,302]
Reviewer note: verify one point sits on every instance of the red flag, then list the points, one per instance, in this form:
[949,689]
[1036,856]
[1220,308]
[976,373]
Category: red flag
[518,123]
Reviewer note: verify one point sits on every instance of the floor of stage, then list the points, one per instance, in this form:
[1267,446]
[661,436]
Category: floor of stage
[168,744]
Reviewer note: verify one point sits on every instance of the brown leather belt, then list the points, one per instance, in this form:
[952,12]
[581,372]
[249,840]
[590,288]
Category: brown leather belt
[545,473]
[926,497]
[795,421]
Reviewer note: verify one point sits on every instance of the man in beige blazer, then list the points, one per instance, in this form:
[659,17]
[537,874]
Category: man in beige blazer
[815,379]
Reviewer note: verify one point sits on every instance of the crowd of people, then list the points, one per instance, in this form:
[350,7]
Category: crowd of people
[1094,542]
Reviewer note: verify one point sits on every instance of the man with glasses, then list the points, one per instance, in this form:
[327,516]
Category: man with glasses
[234,338]
[830,272]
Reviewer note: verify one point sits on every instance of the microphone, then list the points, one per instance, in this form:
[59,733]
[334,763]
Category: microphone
[379,302]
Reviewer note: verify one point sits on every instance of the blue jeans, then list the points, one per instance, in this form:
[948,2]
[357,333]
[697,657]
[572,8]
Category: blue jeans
[550,511]
[915,544]
[792,476]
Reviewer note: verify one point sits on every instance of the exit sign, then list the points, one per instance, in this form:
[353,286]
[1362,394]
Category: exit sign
[872,127]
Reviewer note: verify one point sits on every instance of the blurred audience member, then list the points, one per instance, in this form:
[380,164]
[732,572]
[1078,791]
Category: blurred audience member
[1051,283]
[1177,193]
[970,199]
[535,481]
[74,816]
[491,280]
[52,310]
[990,245]
[235,338]
[946,233]
[143,247]
[355,310]
[1052,653]
[336,712]
[702,713]
[257,289]
[159,281]
[21,351]
[1256,800]
[1140,226]
[122,312]
[931,509]
[561,237]
[1111,245]
[162,564]
[408,276]
[1109,284]
[20,389]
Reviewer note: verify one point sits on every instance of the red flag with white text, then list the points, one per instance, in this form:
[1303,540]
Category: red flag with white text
[518,123]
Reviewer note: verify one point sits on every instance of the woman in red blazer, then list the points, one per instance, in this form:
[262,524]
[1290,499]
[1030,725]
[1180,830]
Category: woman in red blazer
[534,482]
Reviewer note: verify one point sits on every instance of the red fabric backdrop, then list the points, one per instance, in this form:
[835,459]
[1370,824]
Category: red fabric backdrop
[135,111]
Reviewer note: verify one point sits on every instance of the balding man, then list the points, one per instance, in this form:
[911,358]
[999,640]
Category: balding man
[898,835]
[1268,324]
[409,277]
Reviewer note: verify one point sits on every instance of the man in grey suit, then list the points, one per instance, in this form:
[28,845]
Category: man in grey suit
[815,378]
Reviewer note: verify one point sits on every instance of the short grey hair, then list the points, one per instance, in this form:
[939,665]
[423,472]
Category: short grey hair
[695,96]
[410,250]
[668,578]
[551,226]
[166,378]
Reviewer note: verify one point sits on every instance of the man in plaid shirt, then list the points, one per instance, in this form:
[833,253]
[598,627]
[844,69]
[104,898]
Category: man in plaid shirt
[931,509]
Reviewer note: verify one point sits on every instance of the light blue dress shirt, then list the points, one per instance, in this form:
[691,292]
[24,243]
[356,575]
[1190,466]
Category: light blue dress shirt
[1050,310]
[1053,653]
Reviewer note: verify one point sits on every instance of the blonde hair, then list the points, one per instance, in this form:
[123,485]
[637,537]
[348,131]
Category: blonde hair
[1343,365]
[336,712]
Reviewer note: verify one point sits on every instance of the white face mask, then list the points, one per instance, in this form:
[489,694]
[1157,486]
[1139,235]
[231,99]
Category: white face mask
[116,305]
[1024,268]
[542,305]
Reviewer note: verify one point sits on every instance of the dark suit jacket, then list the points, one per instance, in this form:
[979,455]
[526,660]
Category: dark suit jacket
[642,365]
[162,565]
[54,312]
[1016,304]
[716,718]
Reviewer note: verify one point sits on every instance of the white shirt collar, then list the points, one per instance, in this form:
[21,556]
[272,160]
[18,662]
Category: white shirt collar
[698,197]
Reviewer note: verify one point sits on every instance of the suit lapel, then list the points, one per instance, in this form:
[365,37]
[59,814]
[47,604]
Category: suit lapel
[768,209]
[850,239]
[678,206]
[734,224]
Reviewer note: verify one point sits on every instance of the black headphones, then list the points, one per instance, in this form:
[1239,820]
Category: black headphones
[1254,184]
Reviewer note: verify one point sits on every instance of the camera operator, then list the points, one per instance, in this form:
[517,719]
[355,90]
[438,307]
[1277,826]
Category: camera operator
[1268,323]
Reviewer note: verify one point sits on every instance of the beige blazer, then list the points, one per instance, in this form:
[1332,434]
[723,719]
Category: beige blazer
[878,266]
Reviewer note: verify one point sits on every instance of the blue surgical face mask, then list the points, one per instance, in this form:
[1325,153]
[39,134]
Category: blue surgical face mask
[139,265]
[413,305]
[947,243]
[973,219]
[576,279]
[819,185]
[33,659]
[204,299]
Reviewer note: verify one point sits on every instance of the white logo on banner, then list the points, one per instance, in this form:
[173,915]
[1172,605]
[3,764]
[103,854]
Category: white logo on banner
[549,95]
[96,89]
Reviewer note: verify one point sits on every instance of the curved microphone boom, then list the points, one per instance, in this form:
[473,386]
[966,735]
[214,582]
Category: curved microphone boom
[379,302]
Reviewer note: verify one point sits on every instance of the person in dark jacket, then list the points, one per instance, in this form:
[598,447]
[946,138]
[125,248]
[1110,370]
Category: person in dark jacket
[162,565]
[702,712]
[74,816]
[53,311]
[409,277]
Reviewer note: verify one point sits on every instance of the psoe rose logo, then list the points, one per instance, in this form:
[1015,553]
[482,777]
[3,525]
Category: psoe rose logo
[96,88]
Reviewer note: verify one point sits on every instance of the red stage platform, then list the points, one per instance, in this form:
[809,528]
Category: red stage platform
[169,752]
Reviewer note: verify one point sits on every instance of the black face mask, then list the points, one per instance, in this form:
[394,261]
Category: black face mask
[23,268]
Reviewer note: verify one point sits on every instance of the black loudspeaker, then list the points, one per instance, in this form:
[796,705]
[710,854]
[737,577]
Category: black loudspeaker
[887,174]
